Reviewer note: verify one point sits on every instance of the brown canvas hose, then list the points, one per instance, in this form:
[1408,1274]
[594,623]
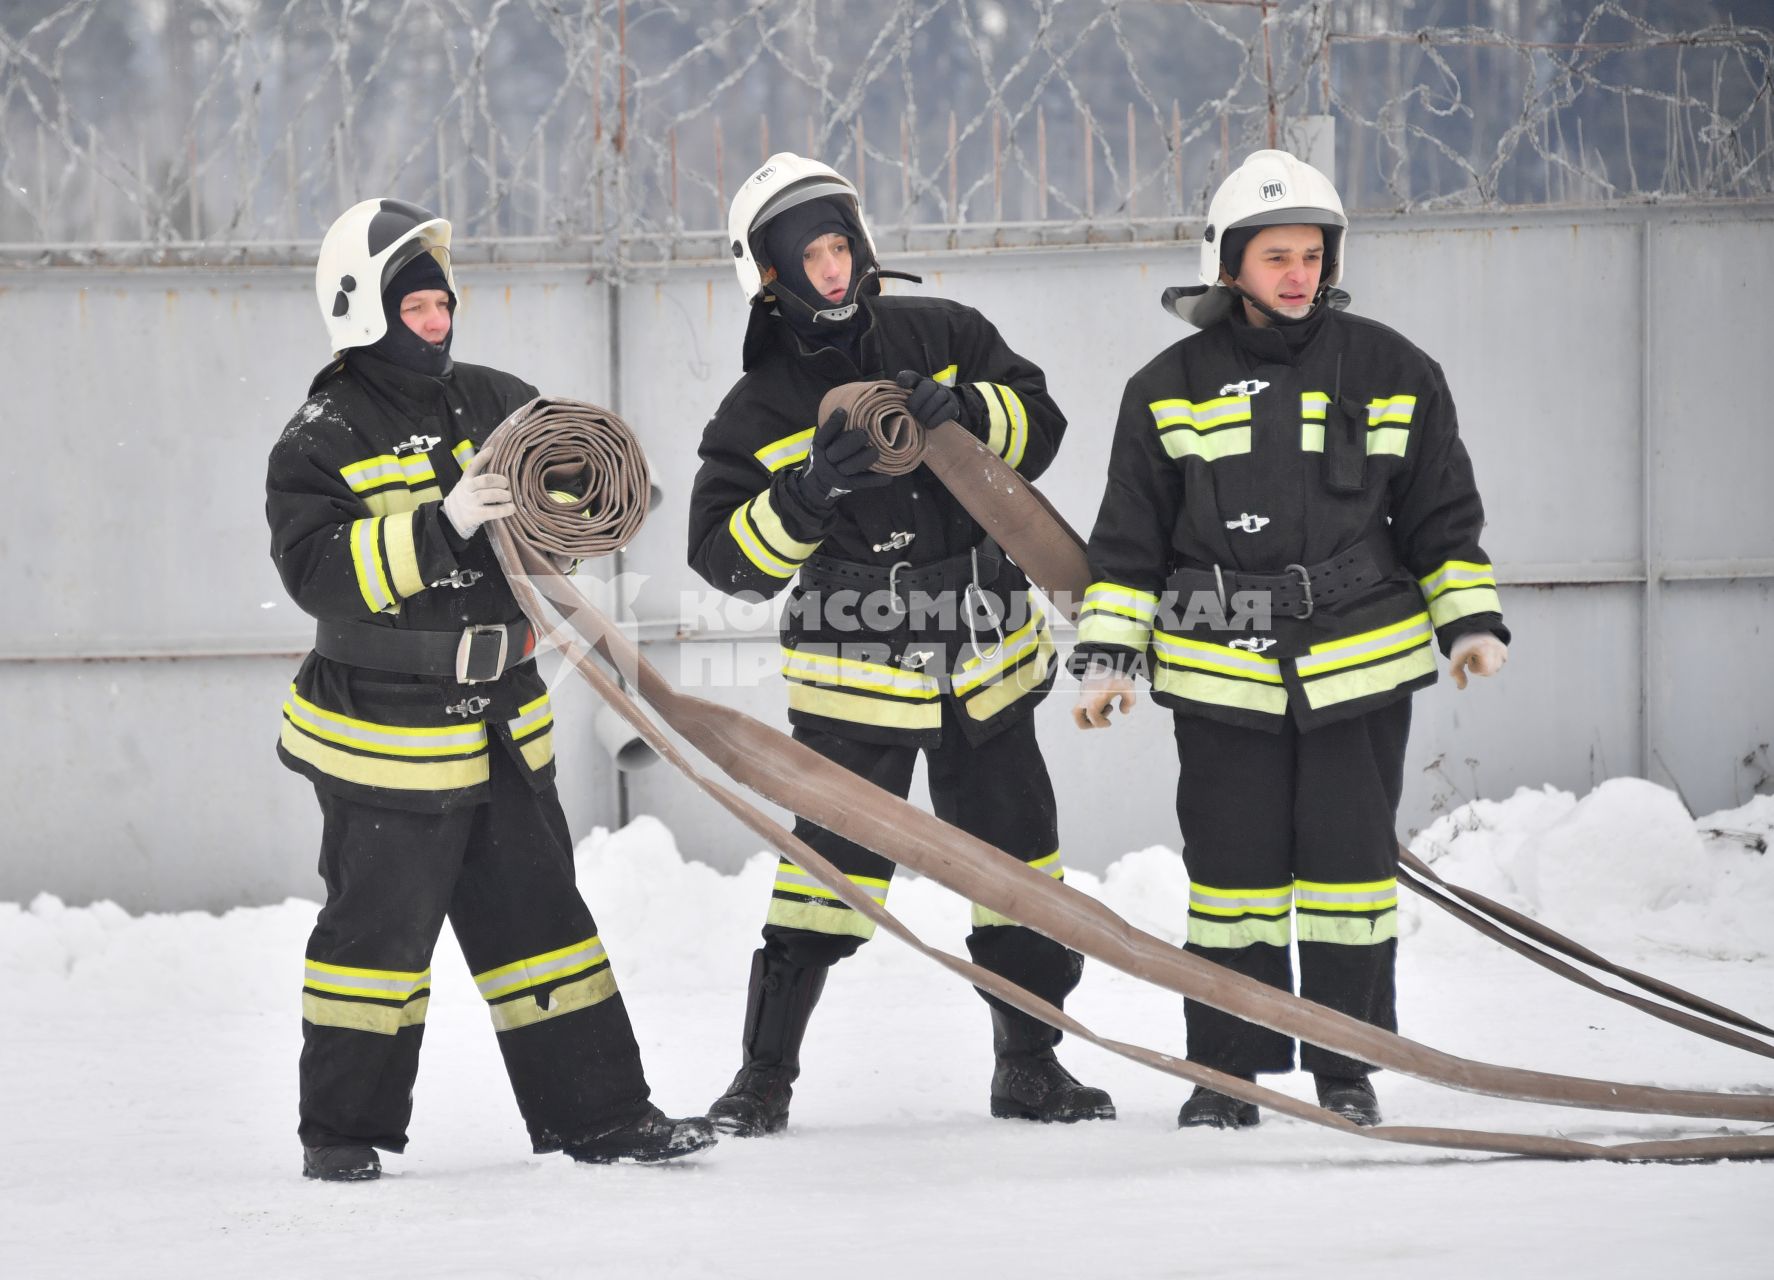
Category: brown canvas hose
[792,775]
[1004,504]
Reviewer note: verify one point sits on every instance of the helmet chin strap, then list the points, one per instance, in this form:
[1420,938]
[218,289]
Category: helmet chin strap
[826,315]
[1231,287]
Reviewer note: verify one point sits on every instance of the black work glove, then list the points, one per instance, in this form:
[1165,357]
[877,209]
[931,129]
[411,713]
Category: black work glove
[933,404]
[838,463]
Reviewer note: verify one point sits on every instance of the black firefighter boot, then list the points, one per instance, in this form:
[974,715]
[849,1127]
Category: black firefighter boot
[1029,1083]
[778,1005]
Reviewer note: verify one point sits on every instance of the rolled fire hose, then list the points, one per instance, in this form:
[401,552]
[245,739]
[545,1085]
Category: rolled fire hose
[1004,504]
[533,446]
[1053,555]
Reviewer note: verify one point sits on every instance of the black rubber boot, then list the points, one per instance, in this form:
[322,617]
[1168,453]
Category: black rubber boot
[341,1164]
[778,1005]
[650,1137]
[1028,1082]
[1211,1109]
[1351,1097]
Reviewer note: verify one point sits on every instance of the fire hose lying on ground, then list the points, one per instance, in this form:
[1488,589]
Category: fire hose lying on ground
[566,446]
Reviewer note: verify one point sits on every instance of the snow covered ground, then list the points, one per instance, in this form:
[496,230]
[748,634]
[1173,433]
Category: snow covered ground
[147,1113]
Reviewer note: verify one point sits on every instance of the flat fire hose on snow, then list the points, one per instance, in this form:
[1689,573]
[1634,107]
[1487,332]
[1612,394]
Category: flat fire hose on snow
[565,445]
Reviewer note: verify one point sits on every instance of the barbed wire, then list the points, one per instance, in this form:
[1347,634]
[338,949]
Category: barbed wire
[613,131]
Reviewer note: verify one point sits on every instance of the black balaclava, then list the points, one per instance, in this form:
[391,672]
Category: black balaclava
[400,345]
[785,238]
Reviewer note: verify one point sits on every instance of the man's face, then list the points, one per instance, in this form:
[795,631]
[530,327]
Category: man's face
[427,313]
[826,259]
[1281,270]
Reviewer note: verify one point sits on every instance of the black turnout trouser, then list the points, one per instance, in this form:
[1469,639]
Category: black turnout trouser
[502,872]
[1300,822]
[998,791]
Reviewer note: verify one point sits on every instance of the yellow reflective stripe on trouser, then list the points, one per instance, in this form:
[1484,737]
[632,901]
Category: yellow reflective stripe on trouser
[785,452]
[569,997]
[375,984]
[986,918]
[1116,614]
[1360,913]
[356,1015]
[798,901]
[387,999]
[533,971]
[1229,918]
[1333,655]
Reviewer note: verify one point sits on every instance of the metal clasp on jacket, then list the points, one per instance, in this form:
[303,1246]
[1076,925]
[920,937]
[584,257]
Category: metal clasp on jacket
[460,578]
[898,542]
[471,706]
[974,594]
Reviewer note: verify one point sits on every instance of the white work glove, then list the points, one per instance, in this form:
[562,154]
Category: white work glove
[1102,687]
[1479,652]
[476,500]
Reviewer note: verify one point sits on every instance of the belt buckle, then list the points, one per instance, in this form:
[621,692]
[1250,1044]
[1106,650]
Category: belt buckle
[470,671]
[1305,587]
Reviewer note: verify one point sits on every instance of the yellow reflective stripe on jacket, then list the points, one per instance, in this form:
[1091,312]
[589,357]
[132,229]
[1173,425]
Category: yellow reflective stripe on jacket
[986,918]
[385,739]
[531,717]
[1019,644]
[1116,614]
[1365,646]
[776,536]
[463,452]
[1200,654]
[785,452]
[827,668]
[1364,682]
[753,546]
[403,554]
[1356,896]
[1024,679]
[534,971]
[366,561]
[1239,902]
[1210,448]
[1390,409]
[376,984]
[413,470]
[1460,588]
[1314,404]
[945,375]
[393,502]
[1008,421]
[1219,691]
[1204,416]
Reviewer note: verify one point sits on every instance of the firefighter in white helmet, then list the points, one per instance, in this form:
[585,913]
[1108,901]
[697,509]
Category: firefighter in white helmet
[424,727]
[1290,527]
[908,630]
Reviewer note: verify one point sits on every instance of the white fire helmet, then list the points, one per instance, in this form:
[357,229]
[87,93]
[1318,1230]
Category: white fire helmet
[1270,189]
[361,253]
[782,182]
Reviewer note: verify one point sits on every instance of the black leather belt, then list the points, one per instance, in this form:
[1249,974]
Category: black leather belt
[474,655]
[1299,589]
[826,573]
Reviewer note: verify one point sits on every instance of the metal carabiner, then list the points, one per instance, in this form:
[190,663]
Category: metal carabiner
[898,605]
[974,593]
